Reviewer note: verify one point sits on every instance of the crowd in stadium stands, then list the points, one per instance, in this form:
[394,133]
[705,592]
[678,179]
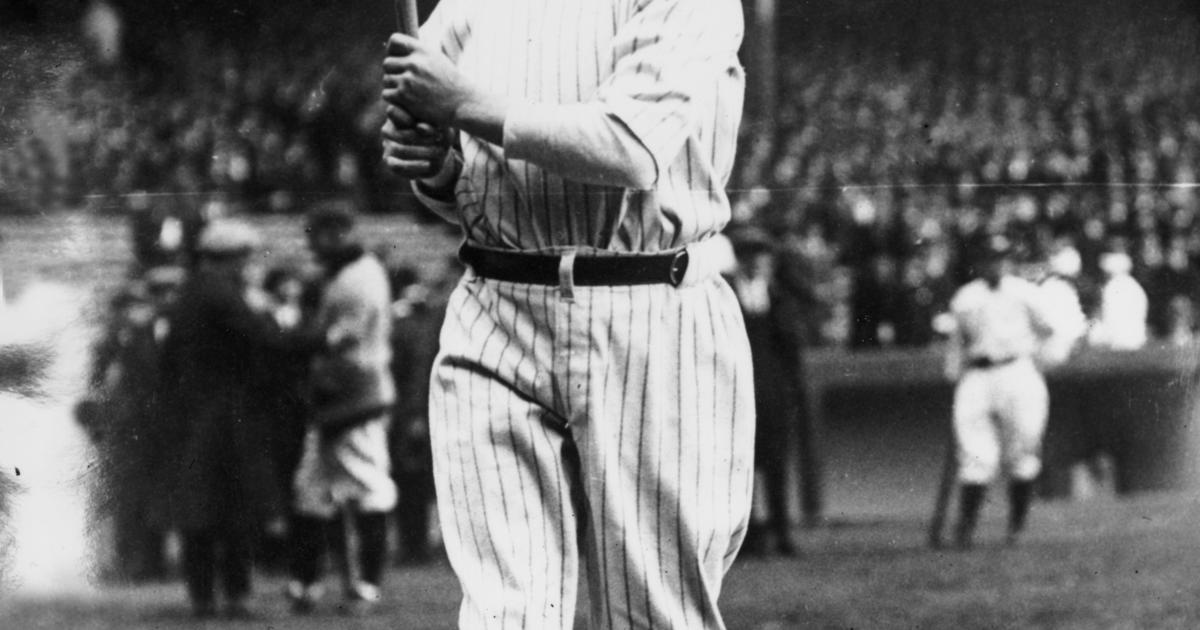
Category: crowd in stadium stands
[890,156]
[263,129]
[890,162]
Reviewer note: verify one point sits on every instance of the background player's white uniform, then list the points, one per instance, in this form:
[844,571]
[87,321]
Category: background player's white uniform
[1001,402]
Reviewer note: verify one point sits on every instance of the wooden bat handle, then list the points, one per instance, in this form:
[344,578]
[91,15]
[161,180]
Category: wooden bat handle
[406,15]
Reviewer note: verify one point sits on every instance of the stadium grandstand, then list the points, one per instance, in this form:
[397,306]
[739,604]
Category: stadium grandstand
[898,133]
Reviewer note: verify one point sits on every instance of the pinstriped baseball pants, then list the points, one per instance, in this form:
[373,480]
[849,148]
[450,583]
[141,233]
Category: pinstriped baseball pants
[614,431]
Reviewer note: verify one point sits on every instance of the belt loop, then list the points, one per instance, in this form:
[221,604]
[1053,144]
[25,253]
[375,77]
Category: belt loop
[566,275]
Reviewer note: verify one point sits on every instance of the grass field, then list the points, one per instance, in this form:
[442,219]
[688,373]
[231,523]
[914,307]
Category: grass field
[1097,564]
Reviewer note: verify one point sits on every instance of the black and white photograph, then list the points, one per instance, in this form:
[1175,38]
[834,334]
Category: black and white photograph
[599,314]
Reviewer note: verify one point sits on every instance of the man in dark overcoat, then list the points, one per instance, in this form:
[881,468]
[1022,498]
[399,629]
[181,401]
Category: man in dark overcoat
[129,430]
[220,486]
[418,319]
[773,326]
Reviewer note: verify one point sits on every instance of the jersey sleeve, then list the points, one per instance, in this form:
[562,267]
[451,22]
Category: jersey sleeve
[444,207]
[1041,315]
[447,27]
[668,53]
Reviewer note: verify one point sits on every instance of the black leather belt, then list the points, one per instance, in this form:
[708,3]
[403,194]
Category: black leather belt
[600,270]
[984,363]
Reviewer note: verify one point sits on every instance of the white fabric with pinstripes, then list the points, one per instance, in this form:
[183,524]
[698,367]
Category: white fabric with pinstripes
[611,432]
[591,83]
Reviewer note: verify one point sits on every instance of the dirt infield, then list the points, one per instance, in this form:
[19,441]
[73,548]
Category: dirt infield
[1088,565]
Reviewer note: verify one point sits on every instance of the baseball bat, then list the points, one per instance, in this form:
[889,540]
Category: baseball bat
[406,17]
[941,501]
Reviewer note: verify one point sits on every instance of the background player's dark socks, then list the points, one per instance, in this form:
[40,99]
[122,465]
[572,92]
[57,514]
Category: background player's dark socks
[1020,493]
[372,534]
[970,503]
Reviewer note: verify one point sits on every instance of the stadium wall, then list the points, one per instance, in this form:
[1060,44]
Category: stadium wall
[883,416]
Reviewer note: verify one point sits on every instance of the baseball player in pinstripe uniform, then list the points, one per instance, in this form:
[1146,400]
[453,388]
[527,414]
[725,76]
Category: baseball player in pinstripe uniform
[592,403]
[1001,401]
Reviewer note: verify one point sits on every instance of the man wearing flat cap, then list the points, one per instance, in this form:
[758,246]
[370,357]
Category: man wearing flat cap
[344,471]
[218,487]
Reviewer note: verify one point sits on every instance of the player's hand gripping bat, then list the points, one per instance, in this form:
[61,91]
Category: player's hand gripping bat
[413,146]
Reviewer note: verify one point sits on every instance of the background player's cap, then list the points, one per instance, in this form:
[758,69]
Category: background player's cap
[228,238]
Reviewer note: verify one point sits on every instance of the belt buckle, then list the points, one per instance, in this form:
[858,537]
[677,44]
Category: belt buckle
[679,265]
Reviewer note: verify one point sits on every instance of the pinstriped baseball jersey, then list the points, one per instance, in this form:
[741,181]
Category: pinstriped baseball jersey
[593,86]
[610,427]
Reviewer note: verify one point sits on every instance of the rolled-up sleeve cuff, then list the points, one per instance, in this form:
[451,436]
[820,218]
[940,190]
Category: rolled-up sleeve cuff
[527,132]
[441,201]
[580,141]
[660,127]
[447,210]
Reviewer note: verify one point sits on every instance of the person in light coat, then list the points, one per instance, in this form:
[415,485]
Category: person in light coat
[344,474]
[1060,296]
[1120,323]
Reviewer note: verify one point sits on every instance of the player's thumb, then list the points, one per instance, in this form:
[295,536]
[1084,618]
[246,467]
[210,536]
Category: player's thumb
[400,45]
[399,118]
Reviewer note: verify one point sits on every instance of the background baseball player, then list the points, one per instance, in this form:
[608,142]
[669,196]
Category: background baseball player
[593,390]
[344,470]
[1001,401]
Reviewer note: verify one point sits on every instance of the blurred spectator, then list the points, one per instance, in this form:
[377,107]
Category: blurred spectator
[1171,281]
[162,234]
[1120,323]
[874,303]
[774,331]
[417,319]
[286,287]
[282,392]
[1060,298]
[921,297]
[1181,321]
[806,268]
[126,421]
